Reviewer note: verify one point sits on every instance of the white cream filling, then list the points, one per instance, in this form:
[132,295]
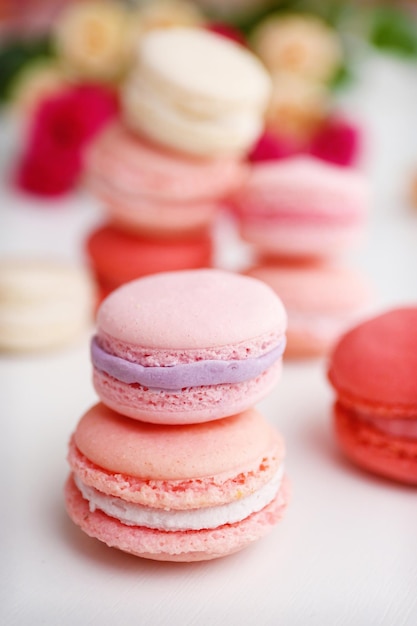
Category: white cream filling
[133,514]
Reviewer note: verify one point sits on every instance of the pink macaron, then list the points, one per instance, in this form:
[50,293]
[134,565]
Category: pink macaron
[322,301]
[190,493]
[150,190]
[301,207]
[187,347]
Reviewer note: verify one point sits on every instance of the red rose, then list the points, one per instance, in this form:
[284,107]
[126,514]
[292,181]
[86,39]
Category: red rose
[62,126]
[227,31]
[271,147]
[337,141]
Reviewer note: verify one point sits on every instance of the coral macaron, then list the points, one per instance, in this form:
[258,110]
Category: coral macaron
[118,257]
[373,371]
[190,493]
[186,347]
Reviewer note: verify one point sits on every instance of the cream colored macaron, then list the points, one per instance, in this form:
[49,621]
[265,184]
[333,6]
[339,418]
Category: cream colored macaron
[197,92]
[43,304]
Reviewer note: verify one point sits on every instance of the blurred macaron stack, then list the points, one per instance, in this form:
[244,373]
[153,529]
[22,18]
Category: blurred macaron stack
[302,207]
[44,304]
[192,107]
[301,215]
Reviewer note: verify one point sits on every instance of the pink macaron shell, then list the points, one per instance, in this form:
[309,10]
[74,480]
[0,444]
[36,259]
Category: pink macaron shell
[207,313]
[140,168]
[372,449]
[184,546]
[322,301]
[316,288]
[301,207]
[191,404]
[151,217]
[221,461]
[305,186]
[147,189]
[303,240]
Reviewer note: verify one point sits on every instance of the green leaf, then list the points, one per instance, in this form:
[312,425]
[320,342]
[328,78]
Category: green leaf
[14,56]
[343,77]
[394,31]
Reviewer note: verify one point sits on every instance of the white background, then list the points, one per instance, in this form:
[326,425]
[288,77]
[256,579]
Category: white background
[346,552]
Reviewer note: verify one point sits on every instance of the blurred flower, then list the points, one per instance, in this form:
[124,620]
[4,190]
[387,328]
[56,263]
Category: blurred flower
[297,107]
[272,147]
[234,8]
[228,31]
[90,38]
[28,19]
[165,14]
[35,82]
[61,128]
[168,13]
[301,44]
[336,141]
[45,174]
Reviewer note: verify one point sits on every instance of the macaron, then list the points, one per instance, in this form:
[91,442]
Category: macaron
[373,372]
[43,304]
[302,207]
[188,346]
[322,302]
[154,191]
[190,493]
[196,92]
[117,257]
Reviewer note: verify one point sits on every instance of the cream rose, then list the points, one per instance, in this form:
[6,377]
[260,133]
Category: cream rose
[90,39]
[300,44]
[297,106]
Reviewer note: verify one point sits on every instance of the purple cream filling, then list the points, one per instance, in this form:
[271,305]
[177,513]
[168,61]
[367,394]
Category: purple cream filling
[174,377]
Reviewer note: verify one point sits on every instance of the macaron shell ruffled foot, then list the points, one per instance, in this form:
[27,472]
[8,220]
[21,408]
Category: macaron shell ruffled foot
[190,493]
[186,347]
[373,371]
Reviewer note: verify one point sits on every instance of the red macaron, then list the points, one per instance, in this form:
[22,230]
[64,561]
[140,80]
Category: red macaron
[373,370]
[117,257]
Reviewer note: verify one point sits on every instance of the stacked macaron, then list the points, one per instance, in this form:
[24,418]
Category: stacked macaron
[175,463]
[43,304]
[191,109]
[300,214]
[197,92]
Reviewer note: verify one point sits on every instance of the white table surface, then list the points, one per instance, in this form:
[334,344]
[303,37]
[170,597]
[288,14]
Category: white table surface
[346,552]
